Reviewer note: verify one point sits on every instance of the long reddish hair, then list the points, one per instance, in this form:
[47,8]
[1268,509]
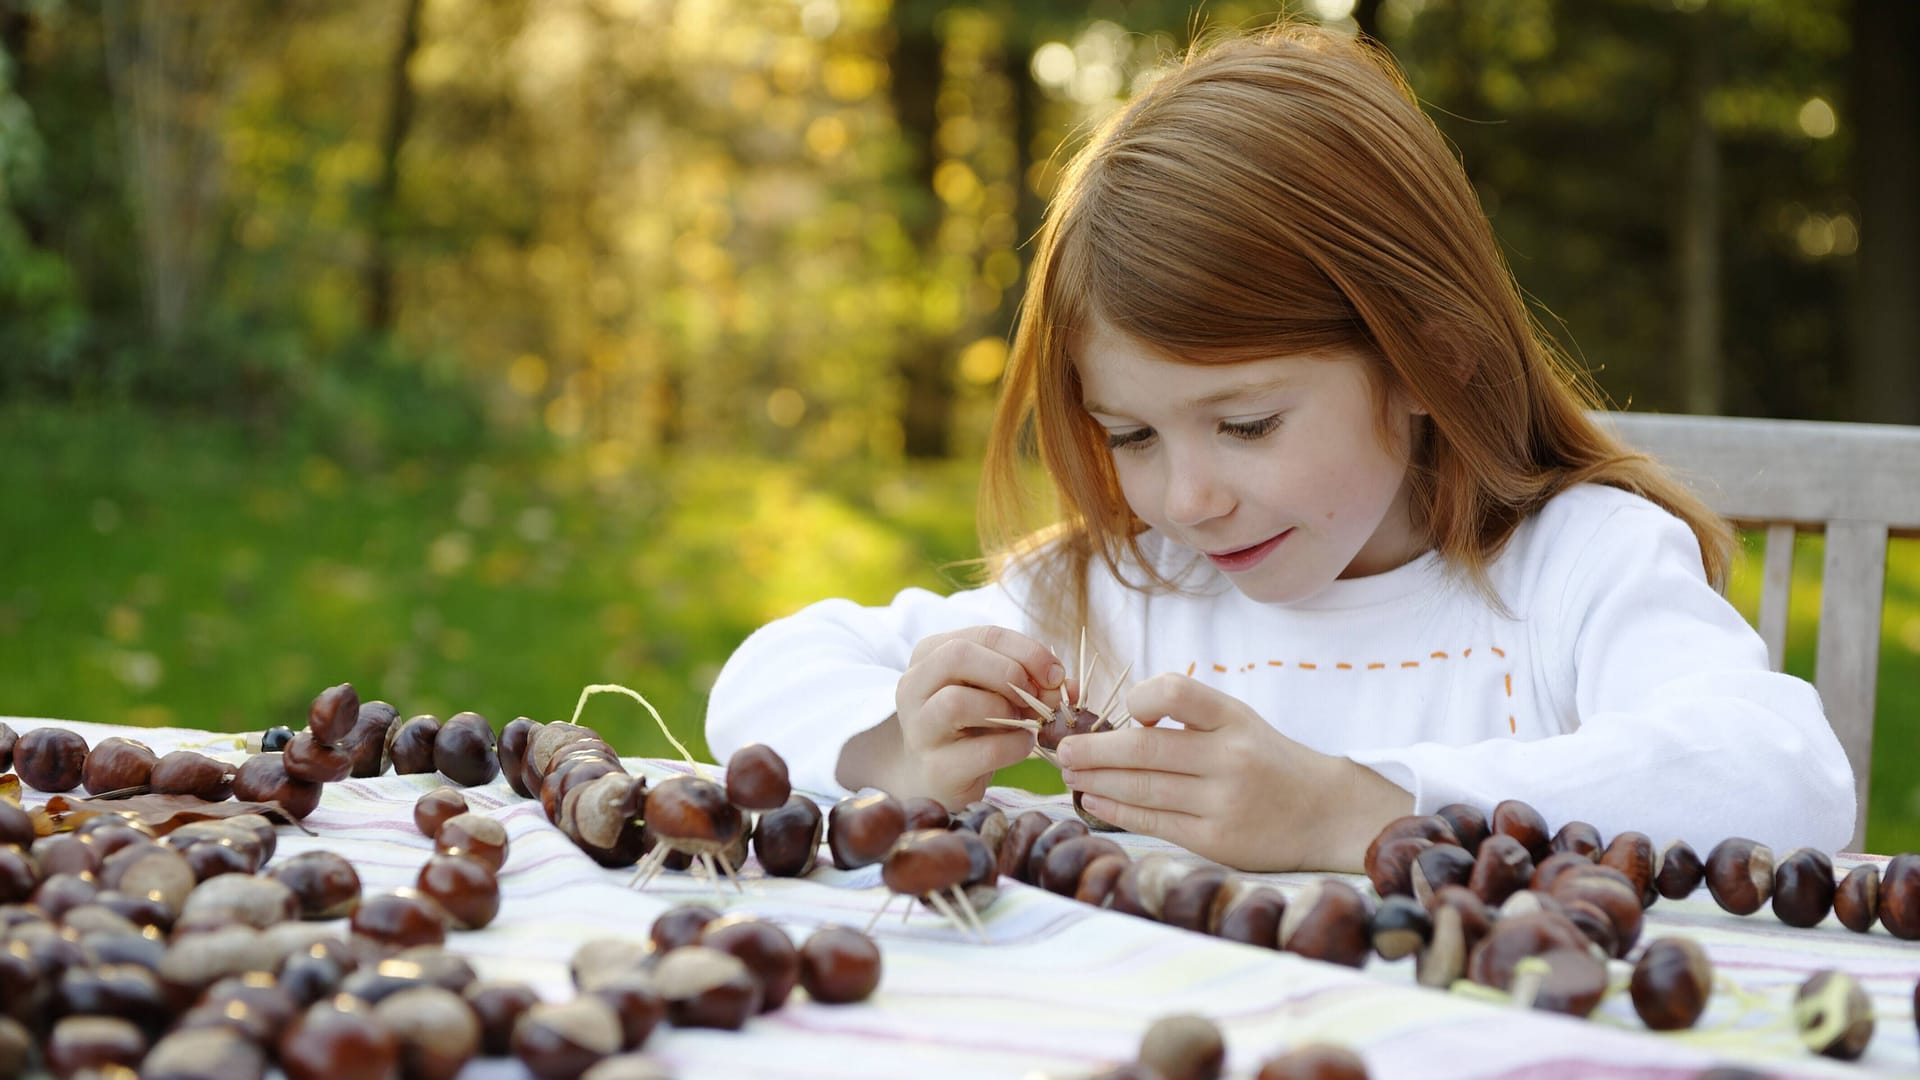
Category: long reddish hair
[1274,194]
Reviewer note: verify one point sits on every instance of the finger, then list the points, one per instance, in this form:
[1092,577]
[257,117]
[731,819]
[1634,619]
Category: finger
[981,754]
[1180,697]
[954,710]
[1165,824]
[1168,750]
[1142,788]
[1037,663]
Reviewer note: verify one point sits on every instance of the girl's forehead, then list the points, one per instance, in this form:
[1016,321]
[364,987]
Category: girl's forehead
[1125,373]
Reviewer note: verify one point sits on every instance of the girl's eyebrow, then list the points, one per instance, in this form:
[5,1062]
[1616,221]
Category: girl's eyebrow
[1218,397]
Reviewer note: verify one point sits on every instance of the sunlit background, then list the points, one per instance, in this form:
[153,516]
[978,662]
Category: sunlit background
[477,350]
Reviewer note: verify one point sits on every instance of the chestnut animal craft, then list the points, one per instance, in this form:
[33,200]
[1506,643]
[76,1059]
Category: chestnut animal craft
[1053,723]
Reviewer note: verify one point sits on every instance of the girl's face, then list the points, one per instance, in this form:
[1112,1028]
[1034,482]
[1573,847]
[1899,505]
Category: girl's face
[1273,468]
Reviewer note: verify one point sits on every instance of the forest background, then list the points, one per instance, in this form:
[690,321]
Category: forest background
[474,351]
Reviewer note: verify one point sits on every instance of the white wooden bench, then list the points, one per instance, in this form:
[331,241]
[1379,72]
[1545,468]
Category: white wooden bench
[1859,483]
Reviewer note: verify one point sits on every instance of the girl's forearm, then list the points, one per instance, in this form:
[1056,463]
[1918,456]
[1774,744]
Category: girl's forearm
[873,757]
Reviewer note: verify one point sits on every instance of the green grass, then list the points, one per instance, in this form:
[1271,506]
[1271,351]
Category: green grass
[168,573]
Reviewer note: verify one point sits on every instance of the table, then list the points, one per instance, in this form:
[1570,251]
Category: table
[1060,989]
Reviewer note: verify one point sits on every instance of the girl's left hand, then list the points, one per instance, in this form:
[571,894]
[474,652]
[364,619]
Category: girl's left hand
[1228,786]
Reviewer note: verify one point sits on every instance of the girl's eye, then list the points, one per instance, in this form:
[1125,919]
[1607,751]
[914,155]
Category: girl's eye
[1254,429]
[1129,440]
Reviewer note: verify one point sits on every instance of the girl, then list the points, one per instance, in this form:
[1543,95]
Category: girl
[1332,496]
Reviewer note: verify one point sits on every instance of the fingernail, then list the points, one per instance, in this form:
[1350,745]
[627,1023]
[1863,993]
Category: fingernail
[1067,777]
[1065,751]
[1055,676]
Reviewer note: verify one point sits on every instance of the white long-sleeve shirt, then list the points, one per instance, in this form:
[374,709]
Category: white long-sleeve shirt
[1618,688]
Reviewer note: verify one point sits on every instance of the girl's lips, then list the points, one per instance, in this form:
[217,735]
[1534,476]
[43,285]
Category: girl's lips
[1247,558]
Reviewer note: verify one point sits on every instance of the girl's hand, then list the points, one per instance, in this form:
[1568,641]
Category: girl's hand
[952,684]
[1229,786]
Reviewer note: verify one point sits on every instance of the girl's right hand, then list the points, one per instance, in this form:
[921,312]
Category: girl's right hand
[953,682]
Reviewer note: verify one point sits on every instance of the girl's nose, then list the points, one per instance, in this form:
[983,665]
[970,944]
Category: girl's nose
[1196,492]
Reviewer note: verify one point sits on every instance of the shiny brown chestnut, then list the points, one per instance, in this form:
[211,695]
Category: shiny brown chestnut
[324,884]
[477,836]
[1250,916]
[1389,864]
[1680,871]
[1740,875]
[1064,864]
[1314,1061]
[463,750]
[1438,866]
[1578,837]
[768,952]
[559,1042]
[839,965]
[786,840]
[1189,902]
[263,778]
[338,1039]
[208,1053]
[1184,1047]
[705,987]
[1098,880]
[367,742]
[757,778]
[692,814]
[236,900]
[50,759]
[680,925]
[636,1001]
[117,764]
[1608,890]
[986,819]
[431,810]
[410,744]
[253,1004]
[94,1045]
[437,1033]
[498,1005]
[307,758]
[465,888]
[1429,827]
[1834,1015]
[925,813]
[1633,854]
[1017,843]
[16,826]
[1400,926]
[1803,888]
[1329,921]
[1468,822]
[1522,822]
[511,751]
[1900,897]
[8,737]
[861,829]
[1856,903]
[1671,983]
[1502,868]
[1057,833]
[333,714]
[399,920]
[184,772]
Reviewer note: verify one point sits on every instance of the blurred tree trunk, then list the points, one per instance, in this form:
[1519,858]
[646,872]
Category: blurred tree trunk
[1886,167]
[926,402]
[1697,240]
[378,284]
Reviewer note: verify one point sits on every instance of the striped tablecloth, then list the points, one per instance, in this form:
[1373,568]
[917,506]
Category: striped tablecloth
[1063,990]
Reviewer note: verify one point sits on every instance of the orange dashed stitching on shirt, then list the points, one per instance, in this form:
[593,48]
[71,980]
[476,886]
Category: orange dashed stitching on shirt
[1376,666]
[1498,651]
[1342,665]
[1436,656]
[1218,668]
[1191,667]
[1409,663]
[1509,684]
[1309,667]
[1513,725]
[1275,663]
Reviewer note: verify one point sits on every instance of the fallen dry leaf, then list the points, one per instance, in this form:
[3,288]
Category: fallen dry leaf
[161,813]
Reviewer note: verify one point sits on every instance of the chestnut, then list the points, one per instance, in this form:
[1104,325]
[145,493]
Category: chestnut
[786,840]
[127,991]
[680,925]
[338,1039]
[1632,854]
[333,713]
[92,1044]
[1315,1061]
[465,889]
[1740,875]
[766,950]
[1469,824]
[1057,833]
[1250,916]
[463,750]
[1142,887]
[263,778]
[986,819]
[400,919]
[436,1031]
[1494,960]
[253,1004]
[1578,837]
[704,987]
[16,825]
[324,885]
[1429,827]
[67,853]
[477,836]
[861,829]
[1329,921]
[1017,843]
[117,764]
[757,779]
[1680,871]
[692,814]
[1900,897]
[1502,868]
[1564,979]
[1671,983]
[184,772]
[1803,887]
[50,759]
[237,899]
[212,1053]
[1834,1015]
[19,875]
[1390,864]
[498,1006]
[410,744]
[559,1042]
[1522,822]
[1184,1047]
[8,737]
[1400,927]
[367,742]
[432,810]
[271,741]
[1102,875]
[1856,903]
[150,871]
[1608,890]
[307,758]
[571,773]
[1440,865]
[627,1067]
[839,965]
[1189,902]
[1065,863]
[511,751]
[1560,862]
[16,1042]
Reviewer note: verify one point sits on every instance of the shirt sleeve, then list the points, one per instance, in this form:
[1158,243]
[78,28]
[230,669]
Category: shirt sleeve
[1683,732]
[807,683]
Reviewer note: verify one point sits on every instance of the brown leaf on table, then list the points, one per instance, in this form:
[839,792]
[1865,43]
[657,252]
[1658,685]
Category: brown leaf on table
[10,788]
[162,813]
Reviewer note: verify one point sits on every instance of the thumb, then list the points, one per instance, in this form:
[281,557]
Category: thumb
[1182,698]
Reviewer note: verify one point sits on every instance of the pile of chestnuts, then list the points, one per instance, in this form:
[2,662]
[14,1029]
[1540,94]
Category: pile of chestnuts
[1189,1047]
